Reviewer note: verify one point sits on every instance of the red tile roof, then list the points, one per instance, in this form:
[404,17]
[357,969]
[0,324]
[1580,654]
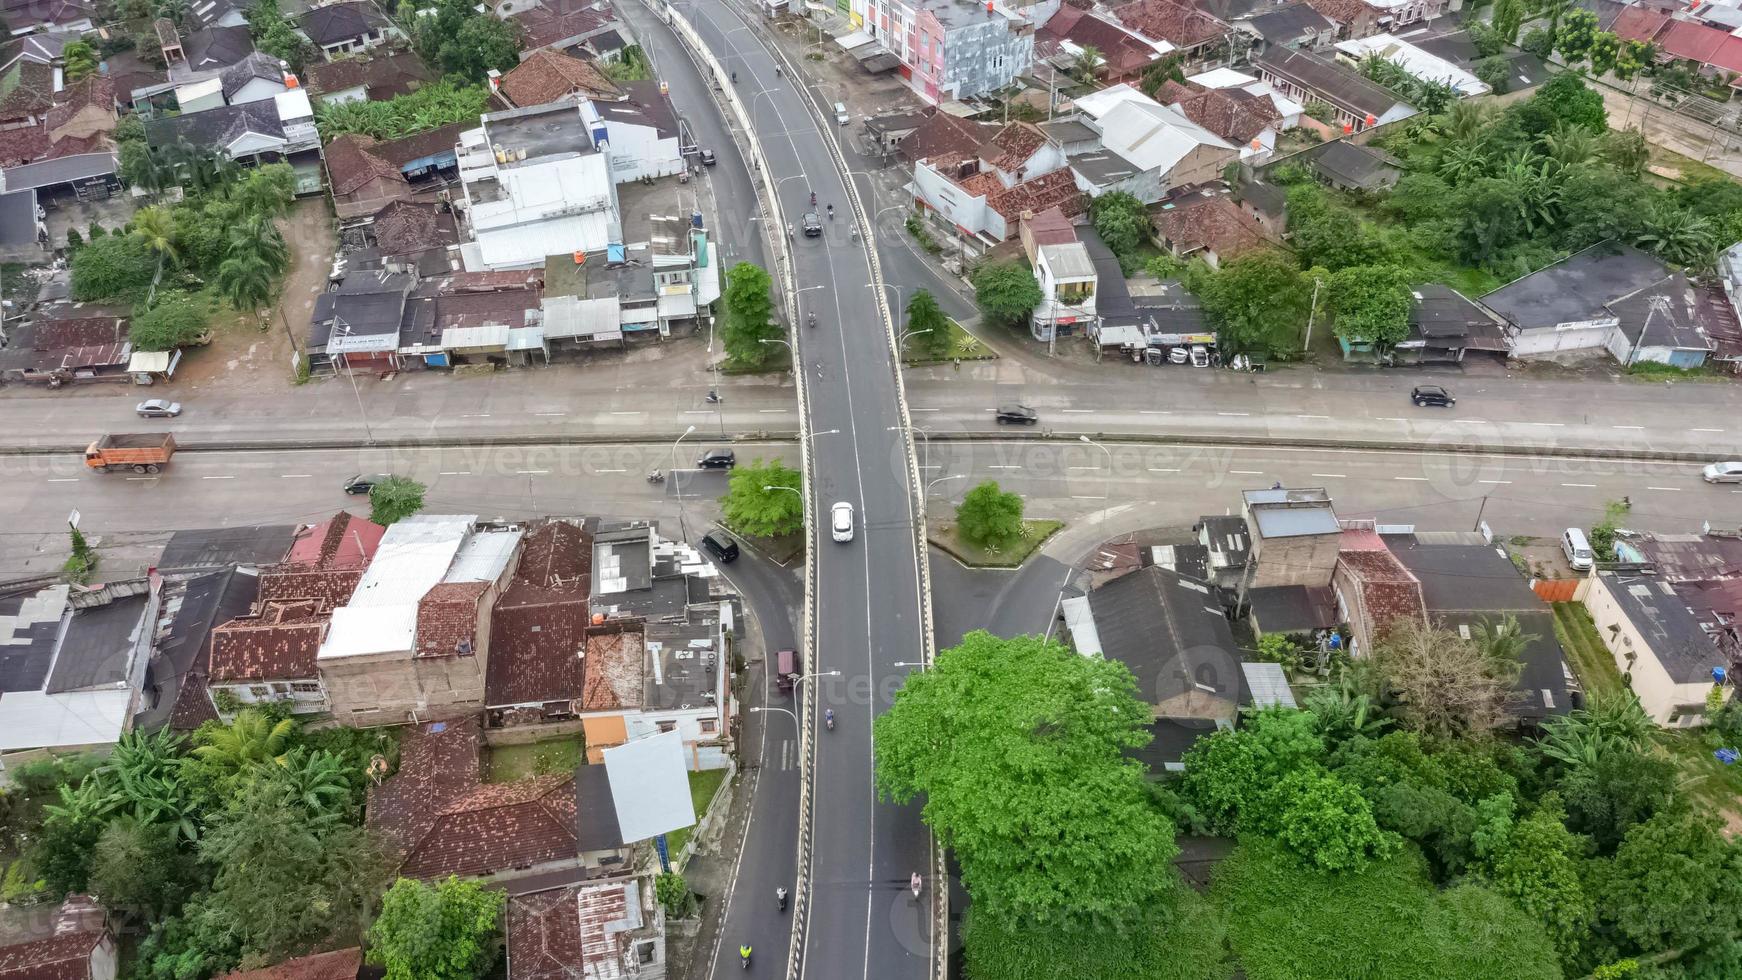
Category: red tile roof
[438,763]
[278,645]
[616,667]
[499,827]
[1057,189]
[382,77]
[90,331]
[1051,227]
[1176,23]
[947,140]
[1211,222]
[340,964]
[94,91]
[1017,142]
[342,541]
[1343,12]
[447,619]
[1706,45]
[1389,590]
[352,163]
[26,89]
[984,183]
[538,628]
[570,932]
[1234,115]
[61,957]
[541,28]
[1123,54]
[547,76]
[331,587]
[1638,23]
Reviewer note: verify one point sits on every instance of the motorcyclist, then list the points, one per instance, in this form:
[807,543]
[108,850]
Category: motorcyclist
[831,211]
[829,717]
[744,953]
[780,897]
[813,199]
[734,78]
[915,883]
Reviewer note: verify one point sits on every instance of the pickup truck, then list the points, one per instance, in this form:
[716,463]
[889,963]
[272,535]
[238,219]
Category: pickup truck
[143,452]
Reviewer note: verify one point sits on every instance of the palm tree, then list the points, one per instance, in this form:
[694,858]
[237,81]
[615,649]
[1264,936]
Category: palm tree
[245,280]
[1088,62]
[1569,145]
[1611,722]
[155,226]
[1503,643]
[251,740]
[1465,121]
[1676,236]
[1461,163]
[318,781]
[1344,712]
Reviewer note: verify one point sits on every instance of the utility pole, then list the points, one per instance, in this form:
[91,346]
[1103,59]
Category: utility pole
[1479,511]
[1311,313]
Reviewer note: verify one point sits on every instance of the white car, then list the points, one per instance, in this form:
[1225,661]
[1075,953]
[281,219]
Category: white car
[841,521]
[1728,472]
[158,408]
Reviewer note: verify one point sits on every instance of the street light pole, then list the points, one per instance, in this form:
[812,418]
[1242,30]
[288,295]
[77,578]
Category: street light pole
[683,529]
[1107,483]
[925,498]
[925,460]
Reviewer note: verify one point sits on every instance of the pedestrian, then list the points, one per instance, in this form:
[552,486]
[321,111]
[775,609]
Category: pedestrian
[958,364]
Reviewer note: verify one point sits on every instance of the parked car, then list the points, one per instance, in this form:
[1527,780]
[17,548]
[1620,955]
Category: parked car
[708,158]
[158,408]
[1726,472]
[841,113]
[721,546]
[362,483]
[1432,395]
[813,225]
[718,459]
[1017,415]
[841,521]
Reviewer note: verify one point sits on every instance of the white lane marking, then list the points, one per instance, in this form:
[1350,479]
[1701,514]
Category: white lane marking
[1497,482]
[1003,466]
[925,410]
[1333,476]
[1075,496]
[697,411]
[613,471]
[1555,425]
[1247,472]
[217,477]
[549,415]
[293,476]
[1386,419]
[1085,467]
[1670,489]
[1077,411]
[1164,469]
[1705,430]
[474,416]
[1587,486]
[1312,416]
[1472,421]
[1627,427]
[931,467]
[65,479]
[627,413]
[772,411]
[138,478]
[1153,411]
[456,473]
[1412,479]
[1234,414]
[531,472]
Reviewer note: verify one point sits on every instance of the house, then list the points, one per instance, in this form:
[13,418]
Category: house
[1682,558]
[373,79]
[1356,102]
[257,76]
[1351,167]
[1264,203]
[339,964]
[473,318]
[637,132]
[1415,62]
[1296,538]
[980,206]
[416,237]
[174,691]
[1374,590]
[1665,653]
[1289,112]
[438,817]
[93,347]
[1205,222]
[540,631]
[1170,631]
[346,27]
[361,181]
[1444,325]
[72,668]
[548,193]
[280,129]
[1524,71]
[268,657]
[887,134]
[547,76]
[356,323]
[1607,297]
[951,50]
[212,549]
[76,945]
[217,13]
[1297,26]
[1240,117]
[585,27]
[610,928]
[1162,145]
[1468,582]
[1360,18]
[55,139]
[1123,54]
[1066,274]
[195,55]
[947,140]
[1196,37]
[47,16]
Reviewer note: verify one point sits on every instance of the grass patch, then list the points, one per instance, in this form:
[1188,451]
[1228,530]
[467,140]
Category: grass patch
[779,359]
[511,762]
[1653,371]
[704,784]
[1672,166]
[782,549]
[1704,779]
[1590,659]
[13,283]
[963,346]
[945,536]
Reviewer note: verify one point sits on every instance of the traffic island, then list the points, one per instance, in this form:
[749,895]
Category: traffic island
[962,346]
[945,536]
[782,549]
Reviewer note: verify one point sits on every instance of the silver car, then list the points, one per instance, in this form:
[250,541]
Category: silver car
[1727,472]
[158,408]
[841,521]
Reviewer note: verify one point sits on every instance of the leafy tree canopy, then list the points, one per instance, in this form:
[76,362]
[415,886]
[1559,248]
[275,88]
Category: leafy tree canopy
[395,499]
[750,508]
[176,320]
[1006,292]
[1258,302]
[927,324]
[990,516]
[451,931]
[113,266]
[1371,304]
[749,315]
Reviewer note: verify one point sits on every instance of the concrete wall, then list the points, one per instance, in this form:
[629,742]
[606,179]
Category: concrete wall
[1306,560]
[396,688]
[1545,342]
[1659,695]
[953,204]
[105,965]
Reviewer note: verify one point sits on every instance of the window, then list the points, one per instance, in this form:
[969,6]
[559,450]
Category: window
[666,726]
[646,953]
[707,726]
[259,691]
[306,687]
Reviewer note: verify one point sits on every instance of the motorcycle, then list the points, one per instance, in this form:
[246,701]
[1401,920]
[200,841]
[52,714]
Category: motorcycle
[656,477]
[713,397]
[831,212]
[829,719]
[810,319]
[915,883]
[780,898]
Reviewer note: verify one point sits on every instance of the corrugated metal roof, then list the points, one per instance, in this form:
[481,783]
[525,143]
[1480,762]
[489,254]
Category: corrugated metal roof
[1268,684]
[484,555]
[488,335]
[570,317]
[33,720]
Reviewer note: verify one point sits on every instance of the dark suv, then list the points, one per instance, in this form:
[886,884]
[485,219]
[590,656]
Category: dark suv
[1017,415]
[813,225]
[1432,395]
[718,459]
[721,546]
[363,483]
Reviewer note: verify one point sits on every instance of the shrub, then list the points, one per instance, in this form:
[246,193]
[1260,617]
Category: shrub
[178,319]
[118,265]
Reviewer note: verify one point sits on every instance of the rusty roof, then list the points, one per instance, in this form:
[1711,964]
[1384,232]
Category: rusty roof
[947,140]
[498,827]
[547,76]
[573,931]
[447,619]
[1057,189]
[1018,141]
[352,163]
[60,957]
[88,331]
[438,763]
[1389,590]
[538,629]
[1164,20]
[616,667]
[1209,221]
[1233,114]
[339,964]
[277,645]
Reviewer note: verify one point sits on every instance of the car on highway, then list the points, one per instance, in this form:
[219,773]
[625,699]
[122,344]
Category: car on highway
[158,408]
[1725,472]
[708,159]
[717,459]
[1017,415]
[721,546]
[841,521]
[363,483]
[1432,395]
[813,225]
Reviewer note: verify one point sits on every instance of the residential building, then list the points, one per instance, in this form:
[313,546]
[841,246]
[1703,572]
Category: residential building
[1206,223]
[1356,102]
[357,323]
[637,133]
[77,944]
[1164,147]
[218,13]
[1374,590]
[280,129]
[529,194]
[1416,62]
[1197,37]
[547,76]
[887,134]
[540,631]
[73,347]
[257,76]
[365,174]
[346,27]
[374,79]
[1124,54]
[54,140]
[47,16]
[1065,271]
[1351,167]
[950,50]
[412,641]
[1244,119]
[1289,112]
[1608,297]
[1682,558]
[1361,18]
[981,207]
[1296,537]
[1296,26]
[474,318]
[1660,645]
[610,928]
[197,55]
[581,27]
[410,236]
[268,657]
[193,605]
[1444,325]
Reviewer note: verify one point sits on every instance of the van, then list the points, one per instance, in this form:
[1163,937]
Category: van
[841,113]
[1576,548]
[722,547]
[785,670]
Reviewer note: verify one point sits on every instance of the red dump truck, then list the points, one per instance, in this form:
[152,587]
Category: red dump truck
[142,452]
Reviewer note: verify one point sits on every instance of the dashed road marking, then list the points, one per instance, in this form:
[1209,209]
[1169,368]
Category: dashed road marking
[1586,486]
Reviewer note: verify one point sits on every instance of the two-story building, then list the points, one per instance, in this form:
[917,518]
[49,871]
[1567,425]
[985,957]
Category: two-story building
[950,49]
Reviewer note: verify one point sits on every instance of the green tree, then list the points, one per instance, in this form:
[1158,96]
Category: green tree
[484,42]
[177,319]
[750,507]
[1578,31]
[1445,685]
[1617,791]
[155,228]
[674,895]
[1494,72]
[1540,866]
[245,279]
[394,499]
[1565,97]
[1018,749]
[1258,302]
[1329,822]
[1676,236]
[80,60]
[318,782]
[451,931]
[137,166]
[1229,775]
[63,850]
[140,866]
[749,316]
[1538,41]
[1507,18]
[989,516]
[1089,61]
[1006,292]
[927,326]
[266,191]
[119,265]
[1122,222]
[1674,884]
[1371,304]
[82,561]
[252,740]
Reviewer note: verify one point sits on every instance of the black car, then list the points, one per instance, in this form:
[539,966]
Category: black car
[1432,395]
[718,459]
[813,225]
[721,546]
[1017,415]
[362,483]
[708,158]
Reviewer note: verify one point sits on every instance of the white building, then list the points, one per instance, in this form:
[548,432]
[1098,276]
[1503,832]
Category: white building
[534,187]
[1417,63]
[637,135]
[1067,283]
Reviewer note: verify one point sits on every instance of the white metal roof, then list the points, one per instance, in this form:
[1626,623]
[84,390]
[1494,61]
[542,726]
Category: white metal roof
[1268,684]
[1222,78]
[1069,260]
[484,555]
[570,316]
[1080,620]
[486,335]
[1153,137]
[148,361]
[293,104]
[1098,104]
[413,556]
[526,338]
[34,720]
[1418,63]
[199,90]
[677,306]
